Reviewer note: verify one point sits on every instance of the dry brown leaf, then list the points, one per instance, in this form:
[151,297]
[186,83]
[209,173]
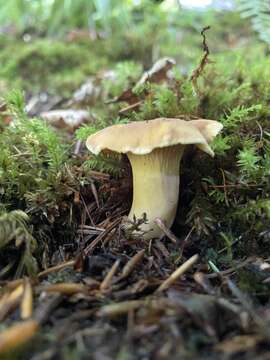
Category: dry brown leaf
[67,119]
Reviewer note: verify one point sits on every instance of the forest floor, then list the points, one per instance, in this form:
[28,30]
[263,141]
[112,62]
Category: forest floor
[72,284]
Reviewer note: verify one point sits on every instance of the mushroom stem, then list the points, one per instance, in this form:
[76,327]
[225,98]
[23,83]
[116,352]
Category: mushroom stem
[155,187]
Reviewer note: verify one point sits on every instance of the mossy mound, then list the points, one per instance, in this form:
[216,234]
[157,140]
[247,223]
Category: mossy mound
[49,65]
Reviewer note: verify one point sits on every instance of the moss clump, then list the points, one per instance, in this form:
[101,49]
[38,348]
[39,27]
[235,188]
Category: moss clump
[37,177]
[49,65]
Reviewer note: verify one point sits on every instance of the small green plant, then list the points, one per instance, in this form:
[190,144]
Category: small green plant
[35,178]
[125,74]
[248,160]
[32,154]
[14,228]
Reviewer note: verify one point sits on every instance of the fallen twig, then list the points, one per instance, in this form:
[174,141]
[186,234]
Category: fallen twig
[56,268]
[108,278]
[63,288]
[130,265]
[100,237]
[17,335]
[166,231]
[177,273]
[27,301]
[204,61]
[120,308]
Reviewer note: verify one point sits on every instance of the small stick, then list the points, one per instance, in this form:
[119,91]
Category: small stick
[56,268]
[120,308]
[42,313]
[64,288]
[95,193]
[204,282]
[184,243]
[27,301]
[130,107]
[204,61]
[177,273]
[130,265]
[12,284]
[99,175]
[86,210]
[166,231]
[77,147]
[233,186]
[224,187]
[108,278]
[88,250]
[9,302]
[229,271]
[159,245]
[17,335]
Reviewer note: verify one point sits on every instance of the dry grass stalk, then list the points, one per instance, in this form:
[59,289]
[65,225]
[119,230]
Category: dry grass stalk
[120,308]
[10,301]
[12,284]
[166,231]
[56,268]
[17,335]
[27,301]
[106,283]
[130,265]
[177,273]
[64,288]
[88,250]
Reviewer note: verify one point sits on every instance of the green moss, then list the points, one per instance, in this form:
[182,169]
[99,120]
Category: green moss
[250,282]
[48,65]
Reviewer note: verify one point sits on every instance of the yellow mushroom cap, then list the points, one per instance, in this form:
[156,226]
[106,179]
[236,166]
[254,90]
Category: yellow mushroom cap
[142,137]
[209,128]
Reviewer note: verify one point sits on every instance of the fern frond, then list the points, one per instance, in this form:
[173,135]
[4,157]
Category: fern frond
[259,13]
[14,227]
[107,164]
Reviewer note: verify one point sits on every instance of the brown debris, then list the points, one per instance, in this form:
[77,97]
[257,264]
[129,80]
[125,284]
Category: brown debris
[166,231]
[130,265]
[64,288]
[56,268]
[9,301]
[120,308]
[158,71]
[106,283]
[27,300]
[17,335]
[178,272]
[156,74]
[239,344]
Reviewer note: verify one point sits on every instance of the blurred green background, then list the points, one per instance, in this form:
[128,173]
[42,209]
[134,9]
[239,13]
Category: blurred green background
[57,43]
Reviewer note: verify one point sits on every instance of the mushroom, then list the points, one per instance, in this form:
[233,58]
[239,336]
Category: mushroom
[154,149]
